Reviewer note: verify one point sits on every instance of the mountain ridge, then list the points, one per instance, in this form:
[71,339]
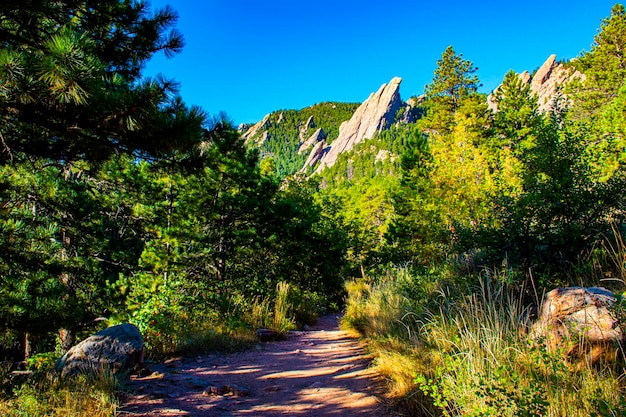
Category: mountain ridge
[313,151]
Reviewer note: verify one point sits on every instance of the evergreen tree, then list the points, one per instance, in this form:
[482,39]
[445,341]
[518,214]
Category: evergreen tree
[454,80]
[70,82]
[604,66]
[75,117]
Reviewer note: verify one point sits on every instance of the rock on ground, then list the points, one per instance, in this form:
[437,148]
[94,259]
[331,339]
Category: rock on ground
[581,321]
[116,348]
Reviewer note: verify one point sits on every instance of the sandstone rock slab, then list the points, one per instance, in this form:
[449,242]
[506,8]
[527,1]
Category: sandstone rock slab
[582,321]
[376,113]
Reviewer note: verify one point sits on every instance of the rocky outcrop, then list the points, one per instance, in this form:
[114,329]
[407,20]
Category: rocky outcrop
[116,348]
[318,136]
[251,133]
[310,124]
[580,321]
[315,156]
[545,84]
[375,114]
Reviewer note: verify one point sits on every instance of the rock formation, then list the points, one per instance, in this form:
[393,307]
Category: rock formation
[318,136]
[580,321]
[251,132]
[116,348]
[546,83]
[375,114]
[315,156]
[310,124]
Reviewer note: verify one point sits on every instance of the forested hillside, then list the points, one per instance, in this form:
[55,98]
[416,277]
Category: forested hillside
[436,237]
[282,135]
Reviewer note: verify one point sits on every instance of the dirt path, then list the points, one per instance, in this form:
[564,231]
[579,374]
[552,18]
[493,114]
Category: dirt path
[320,372]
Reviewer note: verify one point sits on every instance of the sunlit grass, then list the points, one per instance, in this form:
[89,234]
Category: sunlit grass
[470,355]
[276,314]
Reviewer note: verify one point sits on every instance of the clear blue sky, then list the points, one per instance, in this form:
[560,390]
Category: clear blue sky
[249,58]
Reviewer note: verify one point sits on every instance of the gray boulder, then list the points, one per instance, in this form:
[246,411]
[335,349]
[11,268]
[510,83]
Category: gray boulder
[116,348]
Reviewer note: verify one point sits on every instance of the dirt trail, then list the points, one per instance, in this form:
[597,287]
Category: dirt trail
[320,372]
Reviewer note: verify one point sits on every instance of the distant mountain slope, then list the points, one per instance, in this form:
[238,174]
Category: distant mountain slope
[288,135]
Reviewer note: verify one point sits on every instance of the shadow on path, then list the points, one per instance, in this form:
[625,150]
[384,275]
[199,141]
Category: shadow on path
[321,372]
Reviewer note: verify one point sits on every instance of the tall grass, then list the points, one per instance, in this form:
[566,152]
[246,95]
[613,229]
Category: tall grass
[470,355]
[381,306]
[44,394]
[276,314]
[179,332]
[386,310]
[490,367]
[609,259]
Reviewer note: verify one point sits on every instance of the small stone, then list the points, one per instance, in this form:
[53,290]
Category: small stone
[159,394]
[238,390]
[214,390]
[266,334]
[196,383]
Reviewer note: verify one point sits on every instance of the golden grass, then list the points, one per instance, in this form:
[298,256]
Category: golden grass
[279,317]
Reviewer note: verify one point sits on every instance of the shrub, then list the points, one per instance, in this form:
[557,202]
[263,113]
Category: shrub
[44,394]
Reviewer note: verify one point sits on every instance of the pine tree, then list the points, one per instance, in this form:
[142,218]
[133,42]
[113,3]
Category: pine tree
[75,116]
[70,84]
[454,80]
[604,66]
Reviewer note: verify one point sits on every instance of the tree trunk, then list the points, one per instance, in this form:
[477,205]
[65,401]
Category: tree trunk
[68,339]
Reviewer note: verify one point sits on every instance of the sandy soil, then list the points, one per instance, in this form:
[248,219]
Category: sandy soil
[320,372]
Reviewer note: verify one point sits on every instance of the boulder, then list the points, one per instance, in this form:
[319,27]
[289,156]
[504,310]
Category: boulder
[116,348]
[580,321]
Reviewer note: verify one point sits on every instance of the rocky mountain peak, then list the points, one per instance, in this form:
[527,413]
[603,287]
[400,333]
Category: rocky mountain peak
[546,82]
[251,132]
[375,114]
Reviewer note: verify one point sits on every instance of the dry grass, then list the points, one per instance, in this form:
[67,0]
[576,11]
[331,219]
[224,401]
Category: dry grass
[279,317]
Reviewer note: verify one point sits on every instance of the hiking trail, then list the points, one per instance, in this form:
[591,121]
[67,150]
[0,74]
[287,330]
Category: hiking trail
[319,372]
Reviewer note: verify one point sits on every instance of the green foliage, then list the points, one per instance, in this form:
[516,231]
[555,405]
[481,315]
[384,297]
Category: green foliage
[604,66]
[71,86]
[45,394]
[489,367]
[454,80]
